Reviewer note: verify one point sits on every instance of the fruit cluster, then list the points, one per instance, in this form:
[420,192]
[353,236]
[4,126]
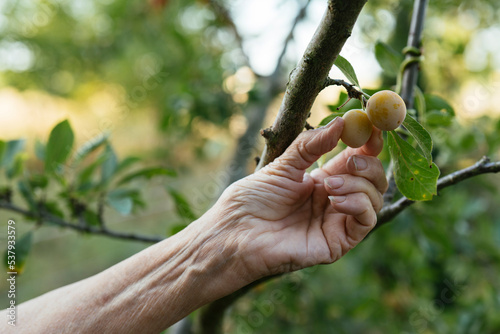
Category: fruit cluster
[385,110]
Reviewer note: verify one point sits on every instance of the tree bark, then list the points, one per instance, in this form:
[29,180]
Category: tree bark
[306,81]
[308,78]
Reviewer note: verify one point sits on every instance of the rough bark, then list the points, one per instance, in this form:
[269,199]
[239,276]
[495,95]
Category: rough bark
[308,78]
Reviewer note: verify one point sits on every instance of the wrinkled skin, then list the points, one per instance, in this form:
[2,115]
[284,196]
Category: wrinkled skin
[286,220]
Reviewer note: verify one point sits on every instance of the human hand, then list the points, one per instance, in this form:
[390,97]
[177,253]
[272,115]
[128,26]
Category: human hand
[284,217]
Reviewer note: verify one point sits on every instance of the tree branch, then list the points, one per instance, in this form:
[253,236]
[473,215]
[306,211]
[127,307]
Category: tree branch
[409,78]
[410,73]
[483,166]
[47,217]
[308,78]
[224,16]
[352,92]
[270,86]
[306,81]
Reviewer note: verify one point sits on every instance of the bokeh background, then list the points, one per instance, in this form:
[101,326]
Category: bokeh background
[172,84]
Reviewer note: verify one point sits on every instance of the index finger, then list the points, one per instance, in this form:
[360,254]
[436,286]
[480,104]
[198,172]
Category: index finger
[373,147]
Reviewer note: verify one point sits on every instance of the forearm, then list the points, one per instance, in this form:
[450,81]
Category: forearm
[149,291]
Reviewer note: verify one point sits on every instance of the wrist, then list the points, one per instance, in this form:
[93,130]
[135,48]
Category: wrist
[219,257]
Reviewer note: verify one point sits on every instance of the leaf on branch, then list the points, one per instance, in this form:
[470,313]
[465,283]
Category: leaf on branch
[27,194]
[388,58]
[22,249]
[415,177]
[330,117]
[422,137]
[347,69]
[17,167]
[344,104]
[182,206]
[127,162]
[91,218]
[9,151]
[147,173]
[85,176]
[420,103]
[121,200]
[38,181]
[439,112]
[89,146]
[109,165]
[176,228]
[59,146]
[52,207]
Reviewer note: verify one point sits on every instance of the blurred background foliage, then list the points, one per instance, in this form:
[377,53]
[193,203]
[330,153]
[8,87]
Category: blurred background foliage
[172,84]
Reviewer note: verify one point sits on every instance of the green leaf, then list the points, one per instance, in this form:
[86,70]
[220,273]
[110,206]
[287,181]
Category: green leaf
[343,98]
[52,207]
[27,194]
[40,150]
[108,167]
[439,112]
[126,163]
[89,146]
[91,218]
[121,201]
[435,102]
[347,69]
[21,250]
[415,177]
[420,103]
[422,137]
[388,58]
[438,118]
[84,177]
[176,228]
[59,146]
[17,167]
[182,206]
[147,173]
[10,151]
[3,146]
[38,181]
[330,118]
[321,161]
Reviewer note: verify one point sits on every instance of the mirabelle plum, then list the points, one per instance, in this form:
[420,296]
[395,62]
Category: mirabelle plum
[357,128]
[386,110]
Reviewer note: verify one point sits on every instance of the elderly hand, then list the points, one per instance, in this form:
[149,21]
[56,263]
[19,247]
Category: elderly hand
[276,220]
[287,219]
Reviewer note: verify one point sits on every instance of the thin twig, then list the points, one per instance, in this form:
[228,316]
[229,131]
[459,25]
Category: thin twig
[52,219]
[483,166]
[305,82]
[352,91]
[410,75]
[308,78]
[224,15]
[300,16]
[256,111]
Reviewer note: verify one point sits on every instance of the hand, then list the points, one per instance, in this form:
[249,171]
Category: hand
[288,219]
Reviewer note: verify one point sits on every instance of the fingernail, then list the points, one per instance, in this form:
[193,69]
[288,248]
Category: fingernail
[359,163]
[333,121]
[334,182]
[336,199]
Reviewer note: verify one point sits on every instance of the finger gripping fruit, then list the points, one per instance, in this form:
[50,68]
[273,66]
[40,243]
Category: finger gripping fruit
[357,128]
[386,110]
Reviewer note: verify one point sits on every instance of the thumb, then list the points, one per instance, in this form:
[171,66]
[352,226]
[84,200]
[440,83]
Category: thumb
[310,145]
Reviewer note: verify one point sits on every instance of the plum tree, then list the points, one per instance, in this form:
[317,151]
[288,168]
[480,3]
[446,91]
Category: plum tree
[357,128]
[386,110]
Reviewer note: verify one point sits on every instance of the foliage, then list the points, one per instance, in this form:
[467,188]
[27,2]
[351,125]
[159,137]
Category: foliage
[75,188]
[130,49]
[434,269]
